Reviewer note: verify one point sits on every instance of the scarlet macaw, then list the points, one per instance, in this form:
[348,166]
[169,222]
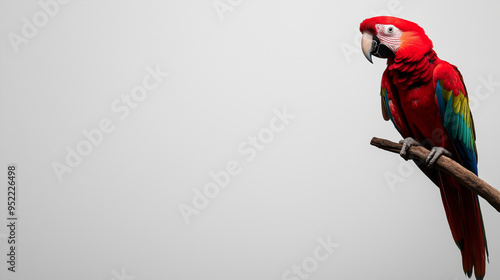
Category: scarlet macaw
[426,99]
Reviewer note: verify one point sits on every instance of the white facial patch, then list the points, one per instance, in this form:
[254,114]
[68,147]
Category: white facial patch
[390,35]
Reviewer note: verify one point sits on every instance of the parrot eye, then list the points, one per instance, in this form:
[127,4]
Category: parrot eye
[388,30]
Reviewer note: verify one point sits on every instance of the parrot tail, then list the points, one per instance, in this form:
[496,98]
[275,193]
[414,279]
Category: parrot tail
[466,223]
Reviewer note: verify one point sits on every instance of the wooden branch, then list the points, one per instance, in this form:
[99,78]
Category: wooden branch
[449,166]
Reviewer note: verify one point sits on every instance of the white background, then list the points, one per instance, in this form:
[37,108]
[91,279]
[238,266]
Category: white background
[116,215]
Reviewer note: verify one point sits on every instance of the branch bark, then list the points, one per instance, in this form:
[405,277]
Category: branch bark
[448,166]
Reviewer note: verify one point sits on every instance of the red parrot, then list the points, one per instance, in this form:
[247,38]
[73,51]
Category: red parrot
[426,100]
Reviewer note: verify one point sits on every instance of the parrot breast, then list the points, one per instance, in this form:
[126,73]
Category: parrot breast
[416,91]
[410,73]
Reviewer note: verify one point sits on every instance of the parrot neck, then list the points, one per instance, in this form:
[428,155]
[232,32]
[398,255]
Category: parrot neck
[411,72]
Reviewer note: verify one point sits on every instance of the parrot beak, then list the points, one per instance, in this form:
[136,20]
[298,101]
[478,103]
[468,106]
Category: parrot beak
[368,45]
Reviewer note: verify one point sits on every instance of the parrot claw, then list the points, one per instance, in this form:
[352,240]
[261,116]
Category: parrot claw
[435,153]
[407,143]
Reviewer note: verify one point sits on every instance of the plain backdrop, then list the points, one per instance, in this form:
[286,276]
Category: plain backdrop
[231,65]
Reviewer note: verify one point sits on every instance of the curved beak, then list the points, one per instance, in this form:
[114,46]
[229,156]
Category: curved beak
[368,45]
[371,45]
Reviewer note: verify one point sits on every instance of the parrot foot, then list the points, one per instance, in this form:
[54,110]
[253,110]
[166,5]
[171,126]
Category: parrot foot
[435,153]
[407,143]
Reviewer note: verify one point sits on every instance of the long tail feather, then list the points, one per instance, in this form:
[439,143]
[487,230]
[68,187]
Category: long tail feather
[475,227]
[466,224]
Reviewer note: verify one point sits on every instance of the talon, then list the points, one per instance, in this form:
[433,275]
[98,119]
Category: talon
[435,153]
[407,143]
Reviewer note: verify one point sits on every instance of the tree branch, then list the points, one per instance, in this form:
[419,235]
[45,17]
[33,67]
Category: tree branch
[449,166]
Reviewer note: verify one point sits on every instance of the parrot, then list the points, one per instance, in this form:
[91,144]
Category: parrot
[426,100]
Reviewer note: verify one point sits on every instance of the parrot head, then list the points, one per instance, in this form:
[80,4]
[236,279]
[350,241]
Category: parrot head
[392,37]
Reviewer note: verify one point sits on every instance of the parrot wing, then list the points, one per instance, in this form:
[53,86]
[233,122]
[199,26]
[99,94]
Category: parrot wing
[453,103]
[461,204]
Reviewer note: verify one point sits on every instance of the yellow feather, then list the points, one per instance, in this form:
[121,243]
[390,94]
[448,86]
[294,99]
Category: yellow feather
[465,107]
[457,102]
[446,94]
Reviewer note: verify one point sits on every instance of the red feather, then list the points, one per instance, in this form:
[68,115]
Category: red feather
[409,96]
